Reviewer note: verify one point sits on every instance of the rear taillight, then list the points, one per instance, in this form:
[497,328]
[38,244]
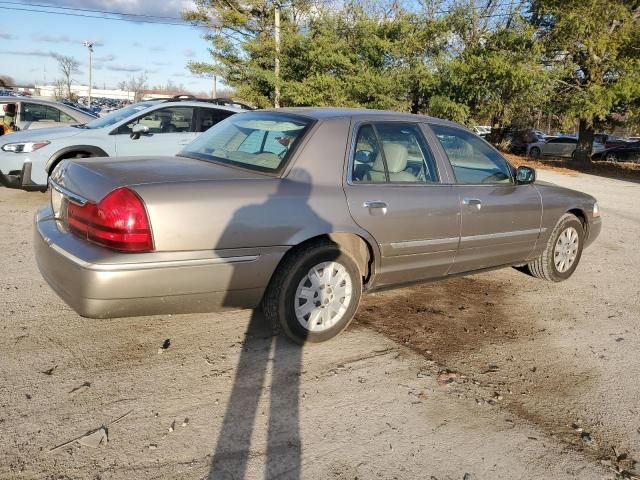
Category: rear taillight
[119,221]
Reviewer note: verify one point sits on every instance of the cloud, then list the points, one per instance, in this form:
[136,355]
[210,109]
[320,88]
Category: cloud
[105,58]
[160,64]
[125,68]
[7,36]
[157,49]
[189,53]
[43,38]
[164,8]
[129,69]
[30,53]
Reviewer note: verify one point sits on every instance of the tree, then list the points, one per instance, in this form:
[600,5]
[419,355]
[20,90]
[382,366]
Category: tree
[68,66]
[137,85]
[596,45]
[6,81]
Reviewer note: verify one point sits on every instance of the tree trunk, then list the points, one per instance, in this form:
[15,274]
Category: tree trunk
[584,147]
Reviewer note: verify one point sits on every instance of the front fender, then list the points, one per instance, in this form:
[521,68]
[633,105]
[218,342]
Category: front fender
[91,149]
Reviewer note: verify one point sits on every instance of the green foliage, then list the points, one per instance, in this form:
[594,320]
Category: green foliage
[473,62]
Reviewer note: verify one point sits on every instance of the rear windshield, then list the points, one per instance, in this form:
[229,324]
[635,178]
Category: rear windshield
[258,141]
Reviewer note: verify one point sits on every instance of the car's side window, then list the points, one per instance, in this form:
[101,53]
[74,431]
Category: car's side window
[209,117]
[66,118]
[473,161]
[34,112]
[392,152]
[163,120]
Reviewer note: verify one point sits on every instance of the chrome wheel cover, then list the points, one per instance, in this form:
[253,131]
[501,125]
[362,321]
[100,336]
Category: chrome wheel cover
[323,296]
[566,249]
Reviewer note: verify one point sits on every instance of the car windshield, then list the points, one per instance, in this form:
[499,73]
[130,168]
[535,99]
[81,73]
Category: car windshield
[257,141]
[118,115]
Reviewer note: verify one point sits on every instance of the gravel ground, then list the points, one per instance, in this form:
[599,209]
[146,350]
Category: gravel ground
[492,376]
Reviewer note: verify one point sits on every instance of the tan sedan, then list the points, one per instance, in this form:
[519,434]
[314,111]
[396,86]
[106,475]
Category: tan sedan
[300,211]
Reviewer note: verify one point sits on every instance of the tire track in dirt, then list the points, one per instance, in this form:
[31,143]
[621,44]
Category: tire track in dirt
[485,344]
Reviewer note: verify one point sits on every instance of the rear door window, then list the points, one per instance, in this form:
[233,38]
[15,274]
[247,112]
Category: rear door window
[392,152]
[35,112]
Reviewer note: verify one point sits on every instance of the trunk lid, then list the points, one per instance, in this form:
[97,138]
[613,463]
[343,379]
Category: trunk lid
[92,179]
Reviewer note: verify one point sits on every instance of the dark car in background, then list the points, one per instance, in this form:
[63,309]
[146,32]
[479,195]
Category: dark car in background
[627,152]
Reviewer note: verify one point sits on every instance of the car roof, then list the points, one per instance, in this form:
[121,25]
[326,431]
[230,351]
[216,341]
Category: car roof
[192,103]
[11,98]
[319,113]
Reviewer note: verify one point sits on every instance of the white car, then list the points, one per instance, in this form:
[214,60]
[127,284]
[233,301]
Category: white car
[25,113]
[161,127]
[557,147]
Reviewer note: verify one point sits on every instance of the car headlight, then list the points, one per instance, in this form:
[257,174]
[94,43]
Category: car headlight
[24,147]
[596,210]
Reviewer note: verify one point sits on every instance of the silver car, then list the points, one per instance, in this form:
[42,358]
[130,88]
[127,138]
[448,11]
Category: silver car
[562,146]
[159,127]
[26,113]
[300,211]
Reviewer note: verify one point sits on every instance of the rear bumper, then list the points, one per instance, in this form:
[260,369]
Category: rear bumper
[21,179]
[98,283]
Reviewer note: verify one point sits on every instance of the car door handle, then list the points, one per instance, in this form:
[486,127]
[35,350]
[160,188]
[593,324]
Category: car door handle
[472,201]
[376,207]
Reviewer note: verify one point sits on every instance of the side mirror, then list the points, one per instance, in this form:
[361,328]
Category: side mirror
[525,175]
[138,130]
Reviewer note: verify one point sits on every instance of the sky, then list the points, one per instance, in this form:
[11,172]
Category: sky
[122,49]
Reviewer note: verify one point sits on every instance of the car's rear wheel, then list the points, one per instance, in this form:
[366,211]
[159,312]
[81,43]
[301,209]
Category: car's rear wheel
[534,153]
[314,294]
[562,252]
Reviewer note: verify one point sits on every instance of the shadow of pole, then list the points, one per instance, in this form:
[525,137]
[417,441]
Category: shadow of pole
[283,451]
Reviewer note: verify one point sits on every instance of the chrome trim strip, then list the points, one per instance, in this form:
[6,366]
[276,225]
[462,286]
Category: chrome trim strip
[123,267]
[493,236]
[74,197]
[423,243]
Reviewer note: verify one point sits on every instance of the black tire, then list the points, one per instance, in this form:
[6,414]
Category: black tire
[279,300]
[611,157]
[544,266]
[535,153]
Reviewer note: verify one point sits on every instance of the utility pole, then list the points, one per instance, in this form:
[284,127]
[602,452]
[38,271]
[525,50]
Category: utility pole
[89,45]
[276,37]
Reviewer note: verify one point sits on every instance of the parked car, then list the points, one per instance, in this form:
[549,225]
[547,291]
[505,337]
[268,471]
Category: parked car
[146,128]
[563,146]
[24,113]
[630,152]
[518,138]
[482,130]
[609,141]
[300,210]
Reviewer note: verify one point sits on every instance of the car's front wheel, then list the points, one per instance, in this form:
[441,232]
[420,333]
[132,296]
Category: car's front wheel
[562,252]
[314,294]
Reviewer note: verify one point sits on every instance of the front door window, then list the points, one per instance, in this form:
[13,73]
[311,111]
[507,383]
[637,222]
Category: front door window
[472,159]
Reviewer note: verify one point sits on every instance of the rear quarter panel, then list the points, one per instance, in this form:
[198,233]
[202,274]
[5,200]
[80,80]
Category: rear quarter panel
[556,201]
[260,212]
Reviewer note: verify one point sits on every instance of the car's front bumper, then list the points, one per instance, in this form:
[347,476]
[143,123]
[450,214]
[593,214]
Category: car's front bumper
[20,179]
[99,283]
[595,227]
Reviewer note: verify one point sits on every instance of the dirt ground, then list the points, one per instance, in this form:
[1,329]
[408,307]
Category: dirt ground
[493,376]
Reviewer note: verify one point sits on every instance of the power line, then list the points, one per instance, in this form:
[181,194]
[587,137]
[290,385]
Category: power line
[41,5]
[69,14]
